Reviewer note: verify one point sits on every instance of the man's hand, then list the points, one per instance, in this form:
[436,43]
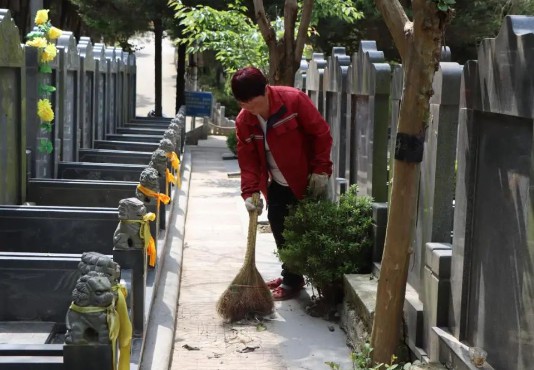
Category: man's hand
[317,185]
[251,207]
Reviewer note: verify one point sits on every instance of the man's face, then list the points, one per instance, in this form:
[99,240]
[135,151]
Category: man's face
[256,105]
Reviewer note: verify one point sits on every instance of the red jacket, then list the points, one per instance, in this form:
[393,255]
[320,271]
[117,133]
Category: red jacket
[298,136]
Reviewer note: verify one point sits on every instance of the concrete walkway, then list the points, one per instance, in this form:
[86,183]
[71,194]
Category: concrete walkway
[213,250]
[204,250]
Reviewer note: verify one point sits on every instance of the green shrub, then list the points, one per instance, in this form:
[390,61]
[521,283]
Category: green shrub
[325,240]
[231,142]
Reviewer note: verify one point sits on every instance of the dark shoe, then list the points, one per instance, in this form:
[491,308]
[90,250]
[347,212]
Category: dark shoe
[283,293]
[274,283]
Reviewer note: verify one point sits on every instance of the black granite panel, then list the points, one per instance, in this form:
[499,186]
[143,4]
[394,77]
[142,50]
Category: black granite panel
[36,288]
[141,131]
[79,193]
[125,145]
[57,229]
[100,171]
[114,156]
[136,138]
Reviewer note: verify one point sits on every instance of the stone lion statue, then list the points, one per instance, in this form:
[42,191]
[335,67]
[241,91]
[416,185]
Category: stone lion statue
[92,290]
[149,179]
[93,261]
[166,145]
[126,234]
[172,136]
[159,161]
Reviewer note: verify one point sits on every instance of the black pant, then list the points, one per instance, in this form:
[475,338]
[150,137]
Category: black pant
[280,198]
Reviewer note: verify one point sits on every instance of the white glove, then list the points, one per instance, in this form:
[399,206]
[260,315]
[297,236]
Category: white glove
[249,203]
[317,185]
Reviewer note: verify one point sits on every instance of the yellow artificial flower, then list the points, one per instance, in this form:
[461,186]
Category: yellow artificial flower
[44,110]
[54,33]
[41,17]
[38,42]
[49,53]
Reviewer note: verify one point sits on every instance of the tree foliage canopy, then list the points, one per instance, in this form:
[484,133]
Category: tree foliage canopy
[234,34]
[117,20]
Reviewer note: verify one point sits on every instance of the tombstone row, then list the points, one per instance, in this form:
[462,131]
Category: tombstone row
[471,249]
[56,207]
[95,95]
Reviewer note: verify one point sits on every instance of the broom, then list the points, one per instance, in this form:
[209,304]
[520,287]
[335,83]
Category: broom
[247,295]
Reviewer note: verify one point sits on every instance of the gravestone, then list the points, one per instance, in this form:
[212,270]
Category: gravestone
[371,79]
[111,100]
[119,91]
[41,163]
[101,90]
[314,80]
[68,90]
[436,184]
[492,262]
[87,92]
[12,115]
[300,75]
[335,103]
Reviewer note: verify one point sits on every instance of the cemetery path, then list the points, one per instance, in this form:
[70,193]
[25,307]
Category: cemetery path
[213,251]
[145,98]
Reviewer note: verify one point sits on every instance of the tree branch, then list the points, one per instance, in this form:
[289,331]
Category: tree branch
[302,34]
[398,23]
[263,24]
[290,17]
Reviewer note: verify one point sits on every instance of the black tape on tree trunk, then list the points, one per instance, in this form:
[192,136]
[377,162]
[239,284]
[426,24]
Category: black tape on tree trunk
[409,148]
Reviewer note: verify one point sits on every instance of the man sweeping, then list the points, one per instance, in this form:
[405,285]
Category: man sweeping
[283,150]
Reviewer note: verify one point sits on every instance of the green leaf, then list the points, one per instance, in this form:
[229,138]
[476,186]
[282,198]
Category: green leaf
[45,68]
[34,34]
[46,126]
[45,146]
[443,7]
[261,327]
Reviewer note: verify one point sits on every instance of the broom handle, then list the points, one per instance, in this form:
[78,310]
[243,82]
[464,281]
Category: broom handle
[252,228]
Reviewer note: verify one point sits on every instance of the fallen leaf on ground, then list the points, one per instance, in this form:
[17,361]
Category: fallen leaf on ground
[248,349]
[190,348]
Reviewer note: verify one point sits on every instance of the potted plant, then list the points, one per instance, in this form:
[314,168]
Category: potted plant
[325,240]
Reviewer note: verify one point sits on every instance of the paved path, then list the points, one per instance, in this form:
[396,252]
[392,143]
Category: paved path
[205,250]
[145,101]
[214,247]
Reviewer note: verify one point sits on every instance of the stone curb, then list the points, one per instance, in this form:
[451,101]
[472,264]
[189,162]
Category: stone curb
[162,318]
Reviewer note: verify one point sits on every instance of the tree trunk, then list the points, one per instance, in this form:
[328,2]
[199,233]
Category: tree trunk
[419,46]
[158,39]
[282,68]
[284,54]
[180,77]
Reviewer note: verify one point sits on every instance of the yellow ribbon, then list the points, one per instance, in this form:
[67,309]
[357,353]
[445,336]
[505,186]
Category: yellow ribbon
[119,325]
[160,197]
[144,233]
[125,327]
[175,162]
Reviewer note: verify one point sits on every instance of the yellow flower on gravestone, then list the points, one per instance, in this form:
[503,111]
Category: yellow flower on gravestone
[38,42]
[44,110]
[41,17]
[54,33]
[49,53]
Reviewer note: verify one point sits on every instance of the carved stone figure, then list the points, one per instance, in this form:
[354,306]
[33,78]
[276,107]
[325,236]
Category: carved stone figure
[126,234]
[171,135]
[166,145]
[94,261]
[92,290]
[159,161]
[149,179]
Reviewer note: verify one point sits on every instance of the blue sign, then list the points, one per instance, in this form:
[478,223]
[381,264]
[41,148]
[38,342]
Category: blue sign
[198,104]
